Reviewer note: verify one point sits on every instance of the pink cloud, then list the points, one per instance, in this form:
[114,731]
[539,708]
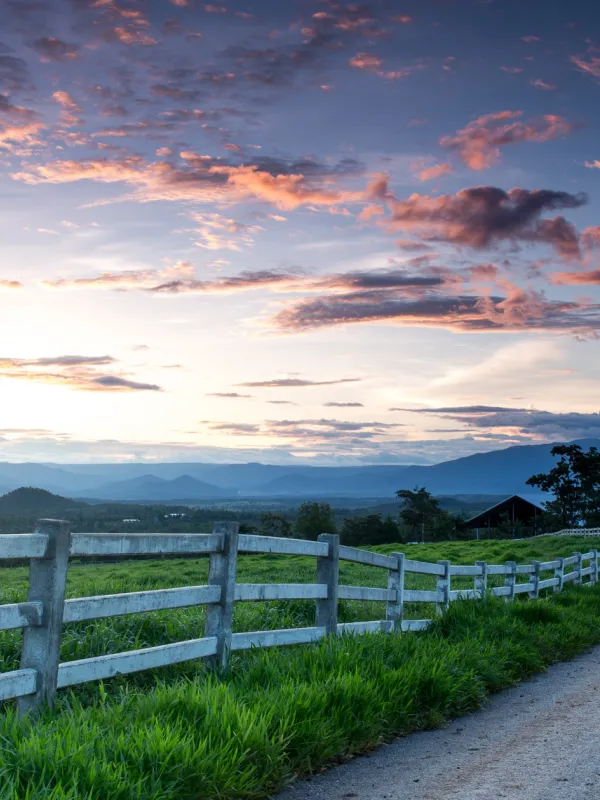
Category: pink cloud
[478,143]
[591,66]
[433,172]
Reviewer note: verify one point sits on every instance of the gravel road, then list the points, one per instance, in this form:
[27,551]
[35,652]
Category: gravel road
[537,741]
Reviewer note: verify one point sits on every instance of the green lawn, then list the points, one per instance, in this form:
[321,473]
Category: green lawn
[181,733]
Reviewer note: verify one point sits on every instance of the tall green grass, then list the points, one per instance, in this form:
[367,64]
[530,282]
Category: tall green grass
[282,713]
[182,733]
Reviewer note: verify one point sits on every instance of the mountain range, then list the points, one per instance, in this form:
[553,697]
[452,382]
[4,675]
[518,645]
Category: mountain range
[499,472]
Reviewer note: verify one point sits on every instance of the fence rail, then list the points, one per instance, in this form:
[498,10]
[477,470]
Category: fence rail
[46,610]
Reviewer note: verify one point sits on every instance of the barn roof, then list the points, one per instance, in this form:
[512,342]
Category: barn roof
[523,511]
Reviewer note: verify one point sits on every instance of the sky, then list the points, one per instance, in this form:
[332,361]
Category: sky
[300,231]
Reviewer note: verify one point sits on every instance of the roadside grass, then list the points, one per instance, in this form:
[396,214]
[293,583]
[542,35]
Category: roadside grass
[278,714]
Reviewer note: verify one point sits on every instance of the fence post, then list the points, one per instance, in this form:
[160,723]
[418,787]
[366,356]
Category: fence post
[443,586]
[511,579]
[41,644]
[535,580]
[481,580]
[394,610]
[328,571]
[559,573]
[594,566]
[577,567]
[222,572]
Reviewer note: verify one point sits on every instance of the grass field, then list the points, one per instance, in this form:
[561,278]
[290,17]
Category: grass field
[181,733]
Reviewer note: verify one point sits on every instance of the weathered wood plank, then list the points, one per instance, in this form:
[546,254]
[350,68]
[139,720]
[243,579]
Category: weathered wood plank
[587,571]
[40,650]
[587,556]
[502,591]
[248,543]
[421,596]
[375,626]
[466,570]
[498,569]
[570,576]
[415,624]
[544,565]
[545,584]
[112,605]
[365,593]
[252,592]
[23,545]
[571,560]
[102,667]
[520,588]
[395,608]
[18,683]
[21,615]
[286,636]
[481,581]
[367,557]
[423,567]
[138,544]
[222,572]
[524,569]
[328,572]
[464,594]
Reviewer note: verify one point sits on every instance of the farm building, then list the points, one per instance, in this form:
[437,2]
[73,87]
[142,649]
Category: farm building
[514,512]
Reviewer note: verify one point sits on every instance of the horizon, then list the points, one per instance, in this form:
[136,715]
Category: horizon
[303,234]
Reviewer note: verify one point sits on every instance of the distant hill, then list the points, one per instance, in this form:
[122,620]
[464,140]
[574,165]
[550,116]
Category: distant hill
[151,488]
[28,501]
[498,472]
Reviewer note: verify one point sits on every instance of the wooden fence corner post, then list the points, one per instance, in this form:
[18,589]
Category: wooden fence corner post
[559,573]
[511,579]
[41,644]
[577,567]
[594,566]
[443,587]
[394,610]
[222,572]
[481,580]
[328,572]
[535,580]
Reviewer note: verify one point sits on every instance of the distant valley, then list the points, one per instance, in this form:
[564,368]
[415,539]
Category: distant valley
[499,472]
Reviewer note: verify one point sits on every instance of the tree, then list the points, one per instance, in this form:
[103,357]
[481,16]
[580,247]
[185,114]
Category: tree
[274,525]
[575,483]
[314,519]
[418,509]
[369,530]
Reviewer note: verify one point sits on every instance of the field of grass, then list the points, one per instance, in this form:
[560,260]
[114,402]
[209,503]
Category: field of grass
[181,733]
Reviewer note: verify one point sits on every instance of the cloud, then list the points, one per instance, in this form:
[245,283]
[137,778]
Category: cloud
[14,73]
[290,383]
[543,85]
[232,395]
[205,179]
[540,424]
[343,405]
[591,66]
[482,216]
[478,143]
[52,49]
[588,278]
[10,284]
[306,432]
[70,110]
[374,64]
[234,428]
[431,173]
[73,372]
[518,310]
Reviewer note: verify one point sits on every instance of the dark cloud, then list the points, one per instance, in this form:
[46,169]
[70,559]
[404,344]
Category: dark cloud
[343,405]
[115,382]
[52,49]
[483,216]
[232,395]
[532,422]
[57,361]
[520,310]
[290,383]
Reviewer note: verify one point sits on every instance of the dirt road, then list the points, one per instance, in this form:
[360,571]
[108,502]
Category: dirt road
[537,741]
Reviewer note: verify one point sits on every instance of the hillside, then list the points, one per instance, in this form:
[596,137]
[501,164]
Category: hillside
[28,501]
[498,472]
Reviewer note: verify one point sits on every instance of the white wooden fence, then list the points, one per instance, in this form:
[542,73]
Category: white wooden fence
[42,616]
